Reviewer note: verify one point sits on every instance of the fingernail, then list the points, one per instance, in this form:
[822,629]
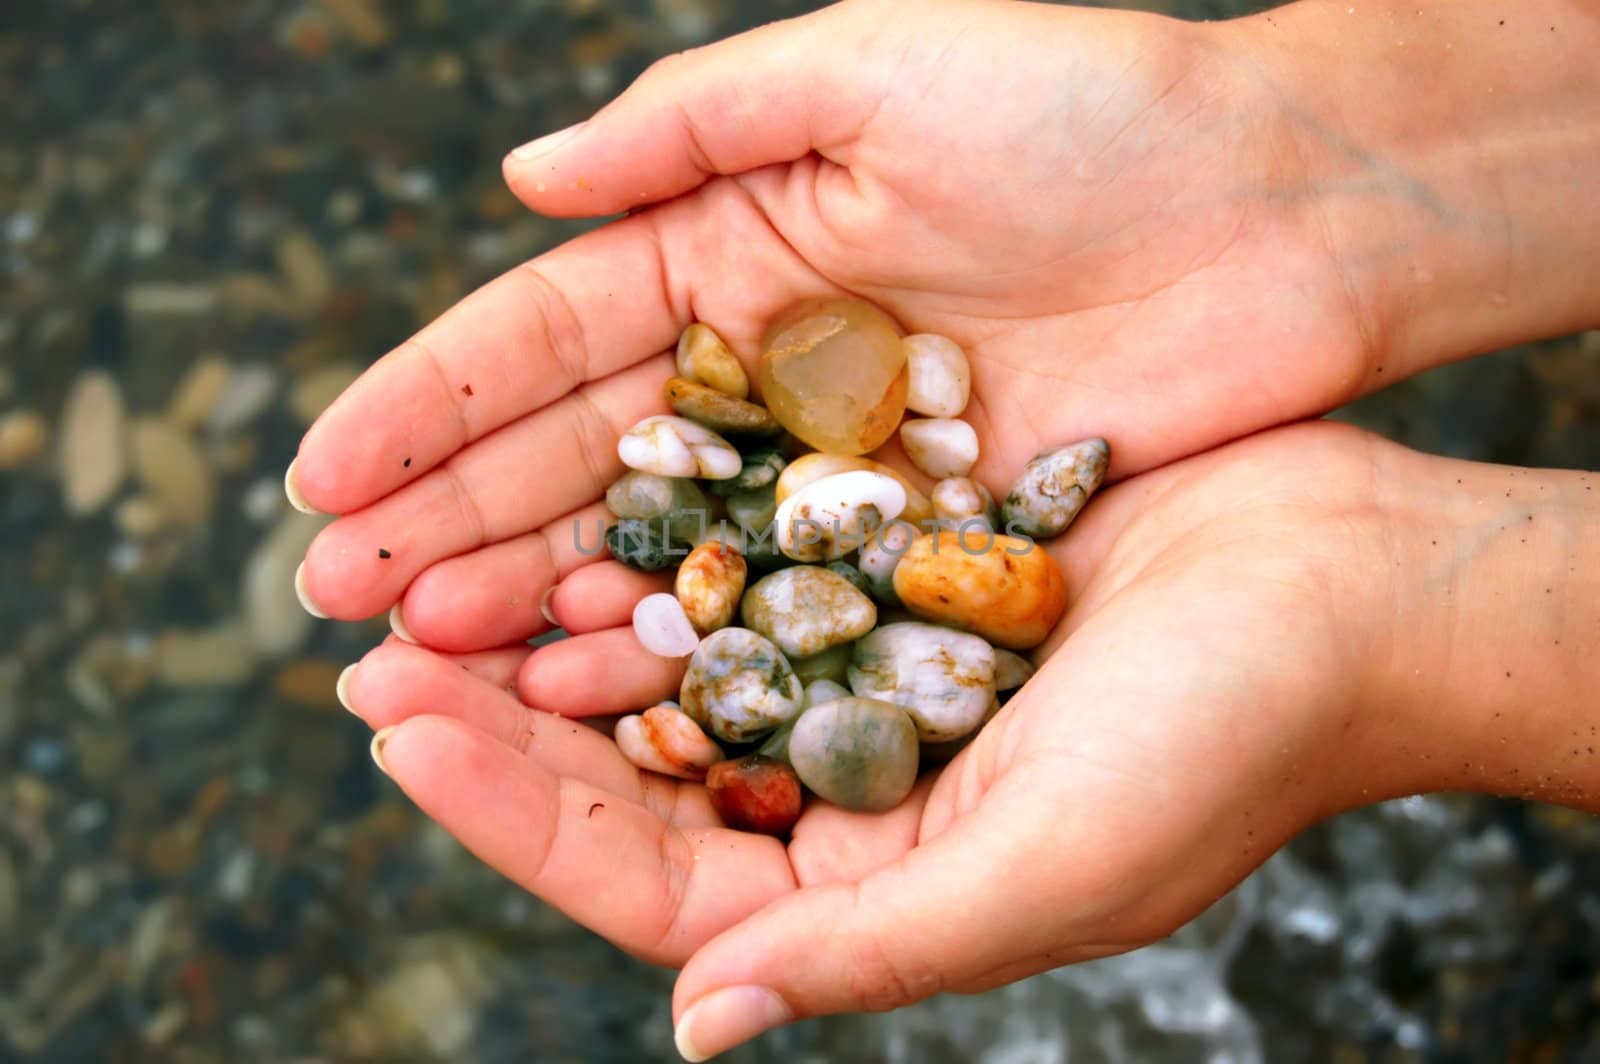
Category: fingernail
[292,490]
[397,624]
[341,688]
[378,740]
[544,606]
[725,1018]
[545,144]
[305,596]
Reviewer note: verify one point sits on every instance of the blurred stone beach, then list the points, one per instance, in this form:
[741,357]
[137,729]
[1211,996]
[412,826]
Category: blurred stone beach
[212,217]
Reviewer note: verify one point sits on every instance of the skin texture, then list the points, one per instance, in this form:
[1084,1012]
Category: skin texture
[1167,235]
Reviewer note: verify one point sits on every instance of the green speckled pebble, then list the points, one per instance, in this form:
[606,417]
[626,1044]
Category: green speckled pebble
[857,753]
[644,545]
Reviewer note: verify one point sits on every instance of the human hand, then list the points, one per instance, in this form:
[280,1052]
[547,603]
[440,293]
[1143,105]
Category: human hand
[1242,659]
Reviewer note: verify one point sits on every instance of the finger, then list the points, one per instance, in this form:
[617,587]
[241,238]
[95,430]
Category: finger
[527,474]
[656,891]
[497,666]
[397,681]
[598,673]
[713,110]
[942,915]
[589,308]
[603,595]
[499,594]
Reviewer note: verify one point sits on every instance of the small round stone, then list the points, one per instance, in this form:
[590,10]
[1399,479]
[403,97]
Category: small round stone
[958,500]
[717,410]
[709,584]
[677,447]
[834,374]
[942,678]
[652,497]
[703,357]
[858,753]
[820,691]
[663,739]
[760,469]
[1010,591]
[662,626]
[857,579]
[880,557]
[831,664]
[831,517]
[644,545]
[1053,487]
[813,467]
[754,511]
[807,609]
[940,446]
[940,378]
[1011,670]
[755,793]
[739,686]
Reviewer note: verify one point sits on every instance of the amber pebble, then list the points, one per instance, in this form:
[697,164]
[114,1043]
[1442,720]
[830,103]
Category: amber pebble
[834,374]
[709,584]
[703,357]
[1008,590]
[716,410]
[755,793]
[803,470]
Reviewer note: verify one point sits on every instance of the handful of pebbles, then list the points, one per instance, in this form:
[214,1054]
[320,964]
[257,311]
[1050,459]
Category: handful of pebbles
[842,627]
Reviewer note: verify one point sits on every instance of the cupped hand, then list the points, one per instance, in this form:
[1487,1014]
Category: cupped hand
[1184,723]
[1105,209]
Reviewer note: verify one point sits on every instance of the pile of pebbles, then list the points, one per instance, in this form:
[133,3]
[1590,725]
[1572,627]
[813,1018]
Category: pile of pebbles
[842,627]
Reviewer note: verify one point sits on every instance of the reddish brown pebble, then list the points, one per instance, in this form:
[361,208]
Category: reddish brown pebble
[755,793]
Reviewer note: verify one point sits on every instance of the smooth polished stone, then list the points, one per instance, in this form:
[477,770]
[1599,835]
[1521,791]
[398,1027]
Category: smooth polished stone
[1008,590]
[834,374]
[760,469]
[959,500]
[1053,488]
[940,446]
[880,557]
[1011,670]
[942,678]
[833,516]
[807,609]
[831,664]
[663,628]
[858,753]
[702,356]
[652,497]
[673,446]
[663,739]
[644,545]
[940,379]
[716,410]
[813,467]
[755,793]
[709,585]
[739,686]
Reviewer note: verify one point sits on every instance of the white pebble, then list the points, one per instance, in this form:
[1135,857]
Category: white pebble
[940,379]
[677,447]
[663,627]
[834,515]
[879,558]
[94,452]
[1011,670]
[820,691]
[960,500]
[940,446]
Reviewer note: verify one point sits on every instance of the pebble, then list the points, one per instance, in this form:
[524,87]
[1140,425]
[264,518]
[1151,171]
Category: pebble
[807,609]
[1010,591]
[718,410]
[703,357]
[940,446]
[644,545]
[93,446]
[754,511]
[820,691]
[1053,488]
[663,739]
[834,374]
[831,664]
[755,793]
[172,469]
[835,515]
[813,467]
[858,753]
[197,393]
[943,679]
[278,624]
[316,391]
[961,500]
[852,574]
[881,556]
[759,469]
[250,391]
[651,497]
[677,447]
[739,686]
[662,626]
[23,434]
[709,584]
[940,377]
[1011,670]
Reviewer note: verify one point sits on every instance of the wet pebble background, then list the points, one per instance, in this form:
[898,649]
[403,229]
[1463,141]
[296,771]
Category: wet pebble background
[211,217]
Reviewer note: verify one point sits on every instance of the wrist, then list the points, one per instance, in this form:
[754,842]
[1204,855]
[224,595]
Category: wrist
[1491,683]
[1445,152]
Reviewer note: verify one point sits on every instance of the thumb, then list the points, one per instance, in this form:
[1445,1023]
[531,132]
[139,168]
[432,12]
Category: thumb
[950,914]
[770,95]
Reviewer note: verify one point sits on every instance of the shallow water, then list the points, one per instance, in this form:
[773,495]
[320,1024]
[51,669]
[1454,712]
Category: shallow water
[198,861]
